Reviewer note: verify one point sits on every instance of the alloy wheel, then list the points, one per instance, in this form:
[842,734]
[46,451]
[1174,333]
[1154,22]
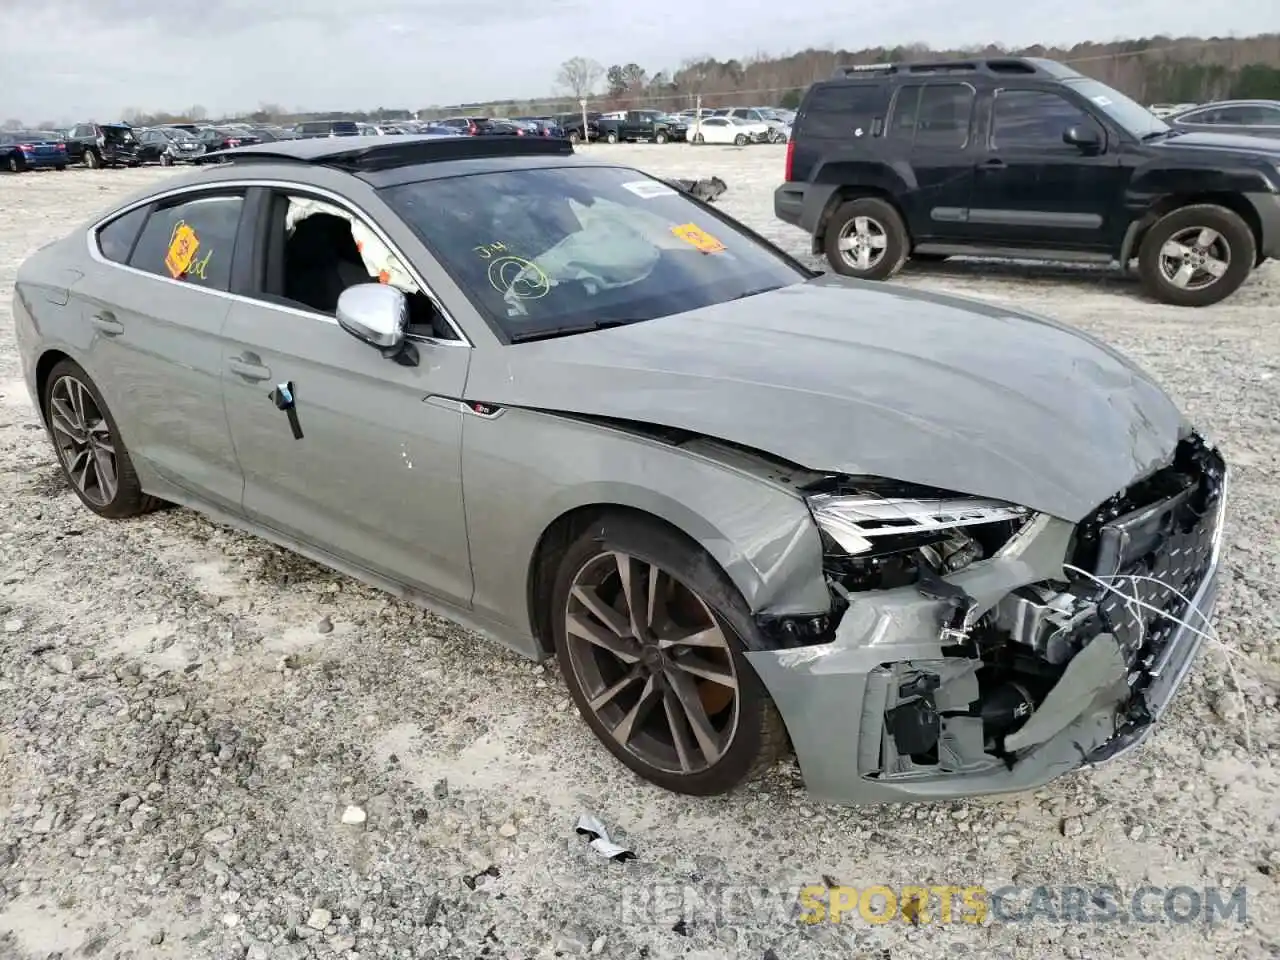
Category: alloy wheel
[862,243]
[83,441]
[1195,258]
[653,663]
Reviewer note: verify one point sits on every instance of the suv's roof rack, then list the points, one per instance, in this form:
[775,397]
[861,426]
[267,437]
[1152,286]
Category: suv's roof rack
[990,66]
[386,153]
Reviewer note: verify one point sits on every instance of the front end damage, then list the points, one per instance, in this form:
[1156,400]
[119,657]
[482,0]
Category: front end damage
[975,647]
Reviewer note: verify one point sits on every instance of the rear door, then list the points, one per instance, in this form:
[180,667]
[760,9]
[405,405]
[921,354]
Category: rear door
[1034,189]
[157,305]
[375,478]
[931,125]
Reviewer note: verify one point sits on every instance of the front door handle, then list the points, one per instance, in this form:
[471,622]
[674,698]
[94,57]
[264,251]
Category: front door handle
[995,163]
[107,323]
[248,369]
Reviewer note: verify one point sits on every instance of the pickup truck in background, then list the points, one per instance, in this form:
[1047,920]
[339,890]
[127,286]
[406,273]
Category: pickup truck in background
[650,125]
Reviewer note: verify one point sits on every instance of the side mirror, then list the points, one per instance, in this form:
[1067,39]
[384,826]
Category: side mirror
[374,313]
[1086,138]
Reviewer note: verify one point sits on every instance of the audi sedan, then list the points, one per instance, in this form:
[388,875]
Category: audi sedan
[935,547]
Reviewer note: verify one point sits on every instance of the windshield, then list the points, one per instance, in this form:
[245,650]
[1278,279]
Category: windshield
[543,250]
[1125,113]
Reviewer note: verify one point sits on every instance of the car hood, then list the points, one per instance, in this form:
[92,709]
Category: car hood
[1230,142]
[868,379]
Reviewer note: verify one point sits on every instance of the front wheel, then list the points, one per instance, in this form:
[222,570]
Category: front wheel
[87,441]
[647,636]
[866,238]
[740,140]
[610,137]
[1196,256]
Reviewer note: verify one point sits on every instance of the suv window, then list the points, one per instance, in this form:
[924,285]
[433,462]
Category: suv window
[115,240]
[208,224]
[933,115]
[1035,119]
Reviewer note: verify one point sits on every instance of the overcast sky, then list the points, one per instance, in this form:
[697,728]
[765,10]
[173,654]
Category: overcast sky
[76,59]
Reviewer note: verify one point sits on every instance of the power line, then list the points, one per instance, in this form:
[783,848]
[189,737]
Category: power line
[571,103]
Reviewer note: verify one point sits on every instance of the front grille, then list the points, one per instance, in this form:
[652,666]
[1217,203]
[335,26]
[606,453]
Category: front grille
[1164,529]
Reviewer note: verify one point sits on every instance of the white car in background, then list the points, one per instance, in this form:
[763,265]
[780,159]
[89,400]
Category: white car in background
[722,129]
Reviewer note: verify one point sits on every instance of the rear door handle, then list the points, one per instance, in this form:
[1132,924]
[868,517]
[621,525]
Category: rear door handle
[995,163]
[107,323]
[248,369]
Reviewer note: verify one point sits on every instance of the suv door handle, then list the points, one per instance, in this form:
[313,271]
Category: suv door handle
[248,369]
[107,323]
[995,163]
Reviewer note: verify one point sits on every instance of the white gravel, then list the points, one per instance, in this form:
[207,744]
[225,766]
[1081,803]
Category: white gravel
[189,716]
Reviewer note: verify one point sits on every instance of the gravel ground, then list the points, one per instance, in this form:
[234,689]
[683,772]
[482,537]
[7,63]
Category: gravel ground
[187,713]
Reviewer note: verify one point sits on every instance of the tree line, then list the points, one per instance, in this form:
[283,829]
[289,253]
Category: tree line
[1156,69]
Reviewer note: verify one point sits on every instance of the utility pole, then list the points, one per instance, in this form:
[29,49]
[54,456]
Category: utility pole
[586,137]
[697,116]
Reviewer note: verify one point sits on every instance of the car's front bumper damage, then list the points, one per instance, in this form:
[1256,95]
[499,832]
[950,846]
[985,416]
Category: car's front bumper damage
[855,706]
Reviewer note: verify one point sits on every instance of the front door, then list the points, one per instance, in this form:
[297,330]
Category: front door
[157,309]
[1033,189]
[375,478]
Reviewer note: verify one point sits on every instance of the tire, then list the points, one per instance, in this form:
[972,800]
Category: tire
[166,160]
[14,164]
[611,137]
[740,140]
[884,257]
[660,137]
[748,735]
[60,167]
[1205,234]
[93,159]
[127,499]
[698,138]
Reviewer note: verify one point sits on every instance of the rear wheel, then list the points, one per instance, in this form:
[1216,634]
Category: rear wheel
[647,636]
[1196,256]
[660,137]
[740,140]
[611,137]
[166,160]
[93,159]
[87,441]
[866,238]
[14,163]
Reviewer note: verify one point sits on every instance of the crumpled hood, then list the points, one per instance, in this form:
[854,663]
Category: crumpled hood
[864,378]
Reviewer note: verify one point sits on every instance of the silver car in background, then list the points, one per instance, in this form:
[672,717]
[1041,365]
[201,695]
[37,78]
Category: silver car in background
[936,547]
[1253,118]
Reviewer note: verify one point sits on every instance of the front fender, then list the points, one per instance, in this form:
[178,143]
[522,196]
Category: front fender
[758,530]
[1152,182]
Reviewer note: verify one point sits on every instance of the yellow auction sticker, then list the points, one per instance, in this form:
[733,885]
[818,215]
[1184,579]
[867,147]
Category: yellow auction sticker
[183,244]
[698,238]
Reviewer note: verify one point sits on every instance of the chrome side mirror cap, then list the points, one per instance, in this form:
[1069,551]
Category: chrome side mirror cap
[374,313]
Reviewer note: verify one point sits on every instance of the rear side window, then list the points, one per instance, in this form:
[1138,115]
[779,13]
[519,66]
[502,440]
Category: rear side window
[839,110]
[115,240]
[191,240]
[1035,119]
[934,115]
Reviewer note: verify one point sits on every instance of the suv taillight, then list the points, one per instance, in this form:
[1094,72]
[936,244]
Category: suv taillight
[791,157]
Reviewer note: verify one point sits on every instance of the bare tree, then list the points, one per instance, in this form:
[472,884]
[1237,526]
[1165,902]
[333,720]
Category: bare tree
[579,75]
[197,112]
[12,124]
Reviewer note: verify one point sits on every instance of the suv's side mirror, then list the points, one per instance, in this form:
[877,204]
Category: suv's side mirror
[1086,138]
[376,314]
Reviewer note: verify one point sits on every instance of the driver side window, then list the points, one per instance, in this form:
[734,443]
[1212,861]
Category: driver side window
[316,249]
[1035,119]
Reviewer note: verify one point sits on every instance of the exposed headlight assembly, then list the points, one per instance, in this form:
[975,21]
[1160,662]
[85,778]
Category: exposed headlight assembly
[859,522]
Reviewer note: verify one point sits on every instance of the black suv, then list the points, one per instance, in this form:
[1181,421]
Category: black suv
[1024,158]
[102,145]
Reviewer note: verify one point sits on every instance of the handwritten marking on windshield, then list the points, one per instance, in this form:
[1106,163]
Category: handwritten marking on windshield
[698,238]
[486,251]
[518,279]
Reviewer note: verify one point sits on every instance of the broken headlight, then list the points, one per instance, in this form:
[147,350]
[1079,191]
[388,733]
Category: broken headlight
[878,539]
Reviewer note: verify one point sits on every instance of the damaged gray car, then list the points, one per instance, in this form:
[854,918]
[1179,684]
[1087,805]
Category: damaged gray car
[936,547]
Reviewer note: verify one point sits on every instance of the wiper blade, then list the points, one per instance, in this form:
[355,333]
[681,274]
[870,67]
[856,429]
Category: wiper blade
[570,330]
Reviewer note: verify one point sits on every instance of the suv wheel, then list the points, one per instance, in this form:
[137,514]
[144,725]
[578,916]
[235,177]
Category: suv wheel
[660,137]
[166,160]
[611,137]
[867,239]
[92,159]
[1196,255]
